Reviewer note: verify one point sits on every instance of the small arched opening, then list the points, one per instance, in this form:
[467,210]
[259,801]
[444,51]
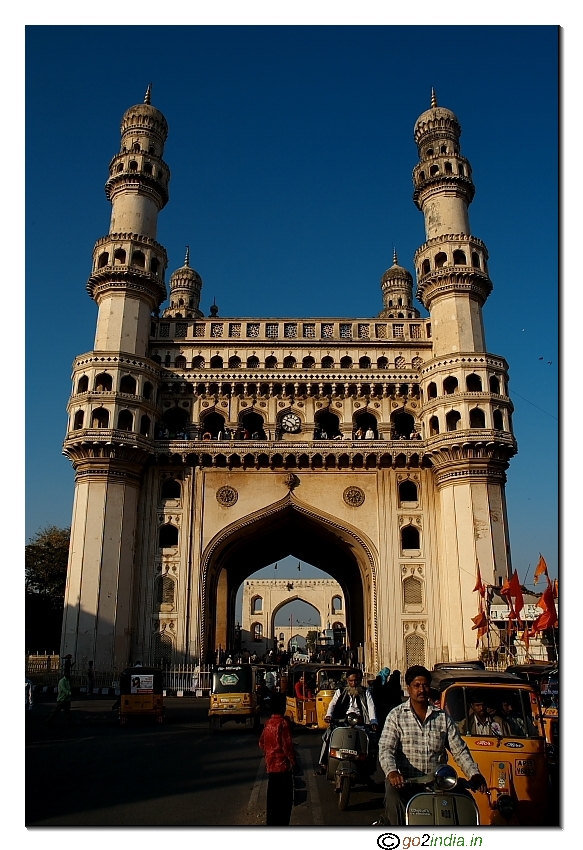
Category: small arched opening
[477,418]
[216,362]
[433,426]
[498,420]
[432,390]
[425,267]
[175,421]
[346,362]
[127,385]
[308,363]
[198,362]
[145,426]
[474,383]
[212,425]
[327,425]
[83,384]
[364,363]
[257,605]
[119,257]
[459,258]
[450,385]
[402,426]
[165,595]
[337,605]
[252,423]
[103,383]
[171,489]
[410,539]
[382,363]
[366,424]
[78,420]
[407,491]
[270,362]
[453,420]
[125,421]
[103,260]
[327,362]
[494,385]
[167,536]
[289,362]
[139,259]
[475,260]
[100,418]
[440,260]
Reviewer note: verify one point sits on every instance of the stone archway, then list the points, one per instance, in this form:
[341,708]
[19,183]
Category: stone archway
[289,527]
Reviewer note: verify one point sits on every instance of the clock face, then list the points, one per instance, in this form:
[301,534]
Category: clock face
[291,423]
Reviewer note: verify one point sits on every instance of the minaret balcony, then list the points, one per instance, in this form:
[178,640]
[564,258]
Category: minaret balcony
[108,437]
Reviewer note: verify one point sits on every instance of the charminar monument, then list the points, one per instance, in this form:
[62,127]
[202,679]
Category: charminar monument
[205,448]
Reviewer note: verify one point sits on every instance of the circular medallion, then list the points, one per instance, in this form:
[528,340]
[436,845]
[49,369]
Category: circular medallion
[227,496]
[376,404]
[262,404]
[353,496]
[357,404]
[205,404]
[338,404]
[224,404]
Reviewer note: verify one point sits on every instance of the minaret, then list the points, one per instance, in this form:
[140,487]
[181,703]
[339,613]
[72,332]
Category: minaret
[112,408]
[397,289]
[185,287]
[466,409]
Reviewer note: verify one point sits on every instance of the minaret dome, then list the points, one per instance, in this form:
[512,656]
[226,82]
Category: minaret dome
[397,289]
[185,287]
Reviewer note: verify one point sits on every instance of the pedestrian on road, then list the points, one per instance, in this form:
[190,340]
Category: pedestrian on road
[276,743]
[63,701]
[90,678]
[28,686]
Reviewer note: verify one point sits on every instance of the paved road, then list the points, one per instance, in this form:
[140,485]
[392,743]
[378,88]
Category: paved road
[176,774]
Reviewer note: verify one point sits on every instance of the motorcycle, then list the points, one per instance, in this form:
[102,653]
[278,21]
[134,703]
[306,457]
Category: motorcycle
[352,753]
[437,804]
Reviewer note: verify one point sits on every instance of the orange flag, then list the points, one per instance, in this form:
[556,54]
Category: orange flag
[541,568]
[511,588]
[481,624]
[524,638]
[556,588]
[480,586]
[548,618]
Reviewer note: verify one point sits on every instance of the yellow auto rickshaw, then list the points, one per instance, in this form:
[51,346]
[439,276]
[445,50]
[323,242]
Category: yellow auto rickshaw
[309,689]
[499,717]
[235,695]
[141,693]
[545,676]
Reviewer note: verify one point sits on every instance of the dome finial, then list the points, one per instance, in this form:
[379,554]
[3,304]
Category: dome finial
[395,260]
[187,257]
[433,98]
[148,97]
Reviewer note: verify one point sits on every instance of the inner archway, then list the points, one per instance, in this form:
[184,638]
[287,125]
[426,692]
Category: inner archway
[289,528]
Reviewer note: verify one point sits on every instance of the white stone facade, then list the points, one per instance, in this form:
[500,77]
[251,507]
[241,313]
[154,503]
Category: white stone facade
[206,448]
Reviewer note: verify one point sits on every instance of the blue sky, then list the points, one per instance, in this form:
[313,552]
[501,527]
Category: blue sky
[291,150]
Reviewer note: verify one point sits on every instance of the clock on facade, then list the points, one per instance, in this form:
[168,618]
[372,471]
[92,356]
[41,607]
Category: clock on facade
[291,423]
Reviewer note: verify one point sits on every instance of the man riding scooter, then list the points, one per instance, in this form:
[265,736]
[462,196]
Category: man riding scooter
[353,699]
[413,744]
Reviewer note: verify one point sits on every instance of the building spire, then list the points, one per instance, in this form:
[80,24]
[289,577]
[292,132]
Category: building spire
[187,257]
[433,98]
[395,260]
[148,97]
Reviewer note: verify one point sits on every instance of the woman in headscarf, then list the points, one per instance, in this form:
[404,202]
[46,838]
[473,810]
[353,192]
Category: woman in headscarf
[380,693]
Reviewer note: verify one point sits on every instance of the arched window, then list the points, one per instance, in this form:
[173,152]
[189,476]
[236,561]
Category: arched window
[415,650]
[412,593]
[429,152]
[256,605]
[327,363]
[170,489]
[125,421]
[162,646]
[474,383]
[119,167]
[403,425]
[216,362]
[408,491]
[165,591]
[382,363]
[461,170]
[422,175]
[459,258]
[270,362]
[103,260]
[440,260]
[180,362]
[450,385]
[477,418]
[147,391]
[257,631]
[432,390]
[425,267]
[103,383]
[127,385]
[475,260]
[198,362]
[494,385]
[289,362]
[119,257]
[364,363]
[136,147]
[433,426]
[253,362]
[346,362]
[498,420]
[148,168]
[176,421]
[308,363]
[168,536]
[133,165]
[139,259]
[78,421]
[336,604]
[434,170]
[448,168]
[145,425]
[452,420]
[83,384]
[154,265]
[409,537]
[100,418]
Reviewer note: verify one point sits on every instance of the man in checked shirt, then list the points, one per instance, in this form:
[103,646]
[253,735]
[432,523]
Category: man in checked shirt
[413,743]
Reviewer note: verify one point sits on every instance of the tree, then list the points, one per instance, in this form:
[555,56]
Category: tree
[45,564]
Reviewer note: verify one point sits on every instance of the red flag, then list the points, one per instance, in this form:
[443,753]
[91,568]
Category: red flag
[541,568]
[548,618]
[524,638]
[511,589]
[480,586]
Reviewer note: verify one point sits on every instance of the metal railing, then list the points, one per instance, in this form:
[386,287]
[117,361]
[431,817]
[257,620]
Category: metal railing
[47,670]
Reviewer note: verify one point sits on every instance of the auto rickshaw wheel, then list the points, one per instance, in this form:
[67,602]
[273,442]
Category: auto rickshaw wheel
[344,795]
